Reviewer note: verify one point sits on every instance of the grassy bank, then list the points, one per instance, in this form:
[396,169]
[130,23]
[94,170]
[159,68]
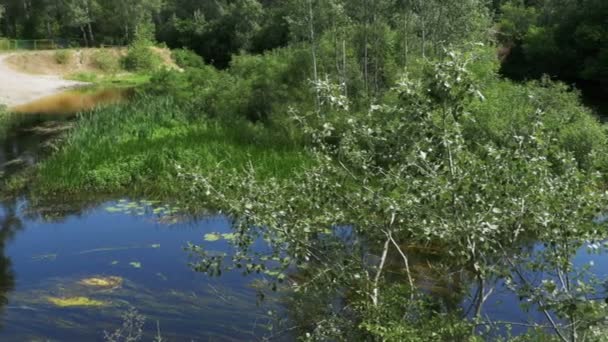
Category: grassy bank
[139,147]
[123,80]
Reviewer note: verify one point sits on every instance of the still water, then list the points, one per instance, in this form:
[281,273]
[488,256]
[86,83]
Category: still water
[45,267]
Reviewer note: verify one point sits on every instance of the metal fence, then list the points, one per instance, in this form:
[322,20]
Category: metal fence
[37,44]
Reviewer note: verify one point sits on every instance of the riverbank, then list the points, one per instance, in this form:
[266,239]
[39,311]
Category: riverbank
[18,88]
[31,76]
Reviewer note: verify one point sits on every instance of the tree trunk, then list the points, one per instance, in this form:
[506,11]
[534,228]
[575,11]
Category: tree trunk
[91,37]
[366,52]
[313,49]
[344,69]
[84,36]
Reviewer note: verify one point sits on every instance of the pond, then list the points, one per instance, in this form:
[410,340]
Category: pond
[60,276]
[72,269]
[68,264]
[74,101]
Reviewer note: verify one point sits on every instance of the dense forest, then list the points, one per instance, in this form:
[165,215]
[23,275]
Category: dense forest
[377,147]
[560,38]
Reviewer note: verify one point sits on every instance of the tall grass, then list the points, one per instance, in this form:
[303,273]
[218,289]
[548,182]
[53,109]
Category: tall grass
[138,147]
[4,121]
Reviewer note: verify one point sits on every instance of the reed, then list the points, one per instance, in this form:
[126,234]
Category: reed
[139,146]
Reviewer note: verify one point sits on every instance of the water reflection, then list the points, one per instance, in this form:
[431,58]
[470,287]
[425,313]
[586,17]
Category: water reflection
[75,101]
[52,300]
[10,224]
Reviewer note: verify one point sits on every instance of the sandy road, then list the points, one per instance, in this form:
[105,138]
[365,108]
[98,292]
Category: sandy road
[17,88]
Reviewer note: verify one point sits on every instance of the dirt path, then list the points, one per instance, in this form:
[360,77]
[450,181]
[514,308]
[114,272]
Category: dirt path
[18,88]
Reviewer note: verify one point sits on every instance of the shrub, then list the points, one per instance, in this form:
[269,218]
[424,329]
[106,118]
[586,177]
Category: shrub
[256,88]
[186,58]
[63,57]
[141,57]
[105,61]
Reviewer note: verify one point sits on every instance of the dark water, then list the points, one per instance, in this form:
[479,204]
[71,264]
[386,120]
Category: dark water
[46,261]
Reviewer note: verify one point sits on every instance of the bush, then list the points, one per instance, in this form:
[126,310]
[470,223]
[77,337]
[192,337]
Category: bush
[63,57]
[105,61]
[186,58]
[141,57]
[256,88]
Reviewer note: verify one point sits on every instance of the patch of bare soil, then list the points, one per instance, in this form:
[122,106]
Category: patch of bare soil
[46,63]
[18,88]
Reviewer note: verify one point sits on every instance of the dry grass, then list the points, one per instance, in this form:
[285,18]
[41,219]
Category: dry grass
[82,60]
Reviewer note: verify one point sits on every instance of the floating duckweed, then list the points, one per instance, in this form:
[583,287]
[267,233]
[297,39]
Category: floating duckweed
[229,237]
[102,282]
[140,208]
[272,273]
[212,237]
[135,264]
[75,302]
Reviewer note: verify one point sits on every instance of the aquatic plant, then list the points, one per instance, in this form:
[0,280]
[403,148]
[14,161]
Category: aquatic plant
[135,147]
[135,264]
[106,283]
[75,302]
[131,329]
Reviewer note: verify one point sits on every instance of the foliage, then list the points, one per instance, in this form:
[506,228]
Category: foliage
[255,88]
[134,148]
[185,58]
[561,38]
[360,131]
[132,328]
[140,57]
[114,80]
[63,57]
[407,172]
[105,61]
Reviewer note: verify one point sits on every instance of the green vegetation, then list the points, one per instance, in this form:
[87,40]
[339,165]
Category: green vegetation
[141,58]
[63,56]
[363,132]
[141,147]
[185,58]
[123,80]
[105,61]
[560,38]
